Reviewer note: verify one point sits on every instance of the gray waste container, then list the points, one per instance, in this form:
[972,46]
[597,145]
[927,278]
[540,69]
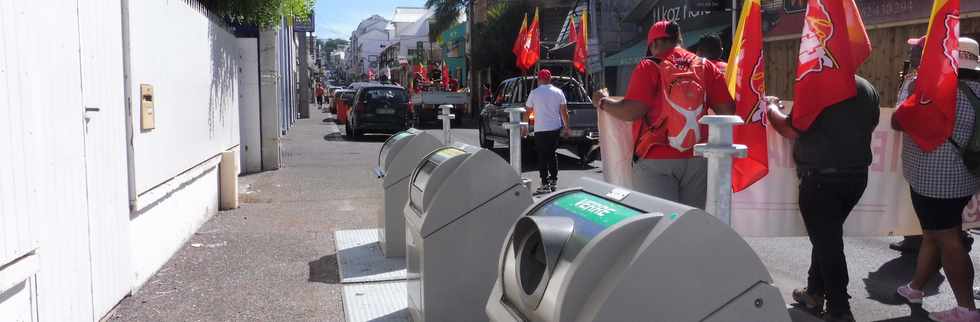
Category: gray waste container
[397,160]
[462,201]
[601,253]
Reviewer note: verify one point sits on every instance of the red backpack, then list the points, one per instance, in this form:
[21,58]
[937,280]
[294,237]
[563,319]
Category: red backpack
[682,104]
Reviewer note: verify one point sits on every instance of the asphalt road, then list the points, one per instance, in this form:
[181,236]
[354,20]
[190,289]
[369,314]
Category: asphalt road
[273,259]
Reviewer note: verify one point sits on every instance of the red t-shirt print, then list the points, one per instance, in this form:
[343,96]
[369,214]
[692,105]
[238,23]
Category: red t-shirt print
[644,86]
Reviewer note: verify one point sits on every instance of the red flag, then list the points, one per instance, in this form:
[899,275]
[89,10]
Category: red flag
[929,113]
[581,39]
[532,44]
[833,47]
[746,80]
[518,49]
[445,76]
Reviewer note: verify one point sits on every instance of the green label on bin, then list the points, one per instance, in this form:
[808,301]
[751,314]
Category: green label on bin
[595,209]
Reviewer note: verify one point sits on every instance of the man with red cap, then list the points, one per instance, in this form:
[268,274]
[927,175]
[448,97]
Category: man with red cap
[667,95]
[550,112]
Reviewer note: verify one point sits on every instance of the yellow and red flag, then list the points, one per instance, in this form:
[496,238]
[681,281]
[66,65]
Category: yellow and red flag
[747,83]
[929,113]
[833,47]
[518,49]
[532,45]
[581,39]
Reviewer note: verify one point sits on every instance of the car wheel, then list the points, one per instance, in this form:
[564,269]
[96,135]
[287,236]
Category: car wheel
[355,133]
[484,142]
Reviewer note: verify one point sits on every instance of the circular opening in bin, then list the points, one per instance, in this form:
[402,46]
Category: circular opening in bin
[532,262]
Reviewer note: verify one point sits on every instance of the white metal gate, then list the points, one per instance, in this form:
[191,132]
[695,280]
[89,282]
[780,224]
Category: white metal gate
[100,37]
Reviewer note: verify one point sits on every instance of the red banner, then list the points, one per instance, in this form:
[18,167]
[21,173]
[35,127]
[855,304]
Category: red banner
[747,83]
[532,45]
[581,38]
[518,49]
[929,113]
[833,47]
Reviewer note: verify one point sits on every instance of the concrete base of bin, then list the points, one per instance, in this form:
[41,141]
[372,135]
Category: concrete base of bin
[359,258]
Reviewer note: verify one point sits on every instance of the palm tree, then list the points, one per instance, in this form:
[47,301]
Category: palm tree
[446,14]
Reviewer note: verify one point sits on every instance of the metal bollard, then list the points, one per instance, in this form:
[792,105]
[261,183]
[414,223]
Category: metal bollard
[719,150]
[515,126]
[446,116]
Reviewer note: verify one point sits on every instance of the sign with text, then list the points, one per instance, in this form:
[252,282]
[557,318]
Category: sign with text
[707,5]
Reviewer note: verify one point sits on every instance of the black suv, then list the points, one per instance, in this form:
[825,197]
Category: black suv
[513,92]
[378,109]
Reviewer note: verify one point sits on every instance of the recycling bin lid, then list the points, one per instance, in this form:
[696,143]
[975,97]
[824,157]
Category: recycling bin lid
[425,170]
[391,147]
[589,213]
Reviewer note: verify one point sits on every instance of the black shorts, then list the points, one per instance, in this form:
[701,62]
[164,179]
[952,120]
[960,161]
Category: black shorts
[938,214]
[319,99]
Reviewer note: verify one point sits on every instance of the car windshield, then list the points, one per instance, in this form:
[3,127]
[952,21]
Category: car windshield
[347,96]
[573,91]
[386,95]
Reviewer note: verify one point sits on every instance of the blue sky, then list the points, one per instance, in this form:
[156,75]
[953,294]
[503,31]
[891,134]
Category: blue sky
[337,18]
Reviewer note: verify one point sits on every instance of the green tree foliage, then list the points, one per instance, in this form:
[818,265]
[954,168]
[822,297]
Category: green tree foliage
[329,45]
[493,39]
[262,13]
[446,14]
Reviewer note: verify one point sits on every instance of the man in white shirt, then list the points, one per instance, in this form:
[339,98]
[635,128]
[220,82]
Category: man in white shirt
[550,123]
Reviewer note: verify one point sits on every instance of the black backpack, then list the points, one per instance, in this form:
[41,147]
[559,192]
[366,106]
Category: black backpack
[971,150]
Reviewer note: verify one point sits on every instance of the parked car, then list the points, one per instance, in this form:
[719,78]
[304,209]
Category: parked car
[513,92]
[343,98]
[378,109]
[330,91]
[425,105]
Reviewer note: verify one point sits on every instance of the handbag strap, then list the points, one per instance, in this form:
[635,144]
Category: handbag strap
[974,100]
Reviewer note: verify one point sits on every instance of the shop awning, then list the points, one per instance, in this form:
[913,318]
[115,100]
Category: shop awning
[633,54]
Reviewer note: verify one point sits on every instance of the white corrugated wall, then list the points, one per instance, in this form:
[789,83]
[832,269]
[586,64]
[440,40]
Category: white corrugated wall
[100,31]
[192,62]
[42,167]
[67,239]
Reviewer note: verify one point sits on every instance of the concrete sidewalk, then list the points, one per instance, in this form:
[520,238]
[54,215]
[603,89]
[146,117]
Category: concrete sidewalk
[273,259]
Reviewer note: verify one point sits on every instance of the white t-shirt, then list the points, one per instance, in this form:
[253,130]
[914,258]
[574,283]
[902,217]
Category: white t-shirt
[546,100]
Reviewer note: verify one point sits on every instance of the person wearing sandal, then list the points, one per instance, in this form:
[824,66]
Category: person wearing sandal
[941,187]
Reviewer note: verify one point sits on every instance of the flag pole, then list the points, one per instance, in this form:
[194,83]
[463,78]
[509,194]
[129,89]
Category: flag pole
[734,19]
[598,43]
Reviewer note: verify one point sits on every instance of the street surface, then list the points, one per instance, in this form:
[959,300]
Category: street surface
[273,259]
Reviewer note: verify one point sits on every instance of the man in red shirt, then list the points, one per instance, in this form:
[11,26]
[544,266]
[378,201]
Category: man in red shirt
[662,169]
[710,47]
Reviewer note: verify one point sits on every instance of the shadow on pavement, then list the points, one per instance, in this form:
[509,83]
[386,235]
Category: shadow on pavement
[882,283]
[369,138]
[324,270]
[396,316]
[333,137]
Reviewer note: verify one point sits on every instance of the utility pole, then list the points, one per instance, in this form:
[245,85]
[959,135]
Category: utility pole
[476,91]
